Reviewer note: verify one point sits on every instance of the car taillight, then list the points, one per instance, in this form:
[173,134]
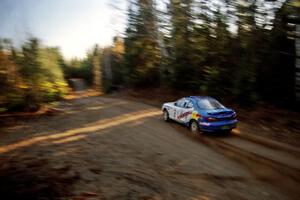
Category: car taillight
[211,119]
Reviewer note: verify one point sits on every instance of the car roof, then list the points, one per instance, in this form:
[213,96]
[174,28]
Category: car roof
[200,97]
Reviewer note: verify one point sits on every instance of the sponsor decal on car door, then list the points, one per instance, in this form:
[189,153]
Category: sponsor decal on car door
[180,114]
[188,116]
[189,111]
[178,109]
[185,113]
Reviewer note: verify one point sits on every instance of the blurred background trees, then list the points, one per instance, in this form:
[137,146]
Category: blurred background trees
[240,50]
[224,48]
[29,76]
[142,53]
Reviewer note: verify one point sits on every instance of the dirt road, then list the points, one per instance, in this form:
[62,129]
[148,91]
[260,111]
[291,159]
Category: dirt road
[108,148]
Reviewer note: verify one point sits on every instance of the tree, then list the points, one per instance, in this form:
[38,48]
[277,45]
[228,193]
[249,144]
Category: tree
[53,85]
[31,76]
[97,72]
[116,61]
[10,80]
[220,48]
[142,54]
[181,51]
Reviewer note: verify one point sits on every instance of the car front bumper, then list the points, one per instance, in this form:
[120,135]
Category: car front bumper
[218,126]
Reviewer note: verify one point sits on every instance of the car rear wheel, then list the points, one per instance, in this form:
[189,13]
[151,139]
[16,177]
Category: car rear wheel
[228,132]
[194,127]
[166,115]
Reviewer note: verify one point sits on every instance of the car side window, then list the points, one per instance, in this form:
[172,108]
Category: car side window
[180,103]
[189,104]
[185,103]
[177,102]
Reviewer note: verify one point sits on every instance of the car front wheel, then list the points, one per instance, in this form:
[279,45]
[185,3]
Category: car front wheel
[166,115]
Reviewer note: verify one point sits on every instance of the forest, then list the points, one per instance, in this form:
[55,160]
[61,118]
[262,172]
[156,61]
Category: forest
[241,50]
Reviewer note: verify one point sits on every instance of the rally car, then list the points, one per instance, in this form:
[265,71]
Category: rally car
[200,113]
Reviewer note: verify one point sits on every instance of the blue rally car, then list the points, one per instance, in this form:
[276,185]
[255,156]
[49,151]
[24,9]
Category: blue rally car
[200,113]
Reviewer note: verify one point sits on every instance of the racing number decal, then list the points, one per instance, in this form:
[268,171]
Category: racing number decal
[184,114]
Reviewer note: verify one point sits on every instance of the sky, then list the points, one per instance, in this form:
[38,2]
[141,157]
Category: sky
[73,25]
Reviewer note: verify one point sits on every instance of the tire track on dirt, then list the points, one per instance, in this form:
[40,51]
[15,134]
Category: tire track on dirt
[147,158]
[268,167]
[263,168]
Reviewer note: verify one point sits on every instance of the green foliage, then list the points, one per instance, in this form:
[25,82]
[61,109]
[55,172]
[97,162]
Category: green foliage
[190,45]
[30,77]
[76,68]
[183,51]
[199,50]
[53,86]
[142,54]
[116,62]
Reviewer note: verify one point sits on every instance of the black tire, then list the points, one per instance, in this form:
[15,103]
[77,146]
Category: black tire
[194,127]
[228,132]
[166,115]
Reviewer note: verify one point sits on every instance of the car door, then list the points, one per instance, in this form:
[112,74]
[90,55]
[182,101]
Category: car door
[178,109]
[188,110]
[182,111]
[172,110]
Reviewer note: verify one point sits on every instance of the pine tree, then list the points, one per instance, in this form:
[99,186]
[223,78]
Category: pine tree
[180,52]
[142,53]
[97,72]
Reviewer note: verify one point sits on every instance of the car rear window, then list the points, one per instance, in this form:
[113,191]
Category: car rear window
[209,104]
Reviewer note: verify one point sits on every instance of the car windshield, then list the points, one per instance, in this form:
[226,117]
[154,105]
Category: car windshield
[209,104]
